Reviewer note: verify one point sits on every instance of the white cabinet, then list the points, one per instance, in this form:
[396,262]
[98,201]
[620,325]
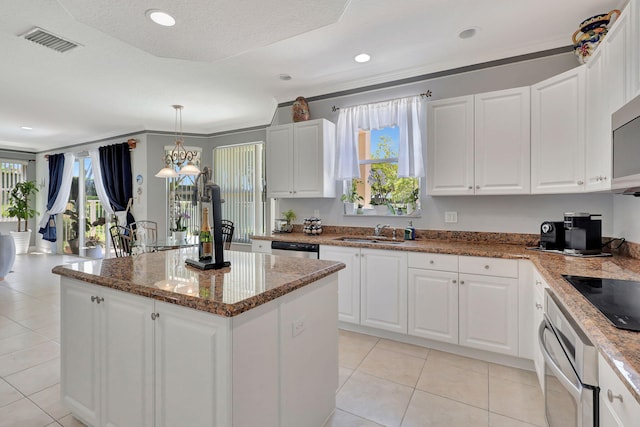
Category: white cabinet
[488,304]
[479,144]
[433,296]
[558,133]
[538,309]
[502,142]
[617,52]
[202,369]
[383,289]
[598,137]
[300,160]
[633,9]
[348,281]
[450,136]
[106,334]
[618,408]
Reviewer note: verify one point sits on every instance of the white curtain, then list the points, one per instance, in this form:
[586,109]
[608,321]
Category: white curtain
[99,183]
[406,113]
[60,205]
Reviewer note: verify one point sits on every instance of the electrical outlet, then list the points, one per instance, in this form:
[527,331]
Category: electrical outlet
[451,217]
[297,327]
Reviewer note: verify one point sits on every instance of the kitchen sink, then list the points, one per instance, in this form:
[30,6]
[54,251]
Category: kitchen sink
[370,239]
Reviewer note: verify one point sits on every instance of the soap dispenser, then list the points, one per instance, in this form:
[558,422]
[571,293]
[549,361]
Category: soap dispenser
[410,232]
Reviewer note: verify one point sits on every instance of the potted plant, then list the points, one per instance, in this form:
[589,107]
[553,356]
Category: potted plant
[94,242]
[288,216]
[351,199]
[380,190]
[73,218]
[19,208]
[180,230]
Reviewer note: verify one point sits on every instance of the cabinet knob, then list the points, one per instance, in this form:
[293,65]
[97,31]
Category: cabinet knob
[604,178]
[99,299]
[154,316]
[612,396]
[477,187]
[580,182]
[470,188]
[539,306]
[93,298]
[462,282]
[538,282]
[454,281]
[486,267]
[430,261]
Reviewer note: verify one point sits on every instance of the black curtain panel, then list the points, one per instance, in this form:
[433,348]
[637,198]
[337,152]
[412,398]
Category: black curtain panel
[115,162]
[56,169]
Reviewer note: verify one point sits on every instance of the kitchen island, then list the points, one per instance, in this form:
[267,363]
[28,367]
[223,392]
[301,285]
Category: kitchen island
[148,341]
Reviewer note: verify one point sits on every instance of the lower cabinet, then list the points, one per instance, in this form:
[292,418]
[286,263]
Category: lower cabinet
[348,281]
[538,315]
[110,382]
[383,289]
[618,408]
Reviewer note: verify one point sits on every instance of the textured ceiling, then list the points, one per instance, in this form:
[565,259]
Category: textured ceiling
[117,83]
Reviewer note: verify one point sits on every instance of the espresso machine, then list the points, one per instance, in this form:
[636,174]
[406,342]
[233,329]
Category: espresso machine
[582,233]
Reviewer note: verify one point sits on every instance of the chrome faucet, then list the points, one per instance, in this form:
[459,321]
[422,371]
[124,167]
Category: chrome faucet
[378,229]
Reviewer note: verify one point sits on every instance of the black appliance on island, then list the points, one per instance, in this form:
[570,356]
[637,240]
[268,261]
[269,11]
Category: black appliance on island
[580,234]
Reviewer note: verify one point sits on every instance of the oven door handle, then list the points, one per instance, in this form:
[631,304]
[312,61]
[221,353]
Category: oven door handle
[576,392]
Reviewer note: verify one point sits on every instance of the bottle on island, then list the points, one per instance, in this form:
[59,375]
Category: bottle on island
[205,248]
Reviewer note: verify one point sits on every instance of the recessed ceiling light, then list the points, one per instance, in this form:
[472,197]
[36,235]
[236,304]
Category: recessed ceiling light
[363,57]
[468,33]
[26,128]
[161,18]
[284,77]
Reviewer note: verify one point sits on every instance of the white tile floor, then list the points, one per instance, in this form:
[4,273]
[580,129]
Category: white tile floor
[382,382]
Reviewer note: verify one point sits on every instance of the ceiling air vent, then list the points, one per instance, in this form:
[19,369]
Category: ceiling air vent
[46,39]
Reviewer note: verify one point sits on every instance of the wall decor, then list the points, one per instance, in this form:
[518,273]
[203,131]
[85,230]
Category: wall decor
[590,33]
[300,110]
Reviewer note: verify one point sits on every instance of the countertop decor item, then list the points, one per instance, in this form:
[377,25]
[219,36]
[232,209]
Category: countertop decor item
[300,110]
[312,226]
[590,33]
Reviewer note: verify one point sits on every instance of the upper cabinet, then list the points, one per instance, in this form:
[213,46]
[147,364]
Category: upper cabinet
[479,144]
[617,52]
[557,133]
[598,137]
[300,159]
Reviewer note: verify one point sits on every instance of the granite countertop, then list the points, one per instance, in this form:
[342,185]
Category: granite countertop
[253,279]
[620,348]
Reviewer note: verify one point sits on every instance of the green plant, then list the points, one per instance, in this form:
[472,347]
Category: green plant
[93,239]
[19,203]
[352,196]
[289,216]
[74,218]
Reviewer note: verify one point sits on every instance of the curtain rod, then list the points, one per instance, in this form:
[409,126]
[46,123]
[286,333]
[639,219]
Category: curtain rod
[131,142]
[426,94]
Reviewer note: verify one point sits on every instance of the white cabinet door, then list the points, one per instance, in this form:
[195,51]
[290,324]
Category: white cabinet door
[489,313]
[618,408]
[557,133]
[450,138]
[80,349]
[384,289]
[433,304]
[538,315]
[633,10]
[598,145]
[348,281]
[127,368]
[502,142]
[280,161]
[617,62]
[203,370]
[308,159]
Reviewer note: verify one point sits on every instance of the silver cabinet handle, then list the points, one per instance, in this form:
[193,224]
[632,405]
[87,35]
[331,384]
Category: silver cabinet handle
[538,282]
[454,281]
[430,261]
[580,182]
[539,306]
[470,188]
[486,267]
[462,282]
[612,396]
[154,316]
[93,298]
[99,299]
[604,178]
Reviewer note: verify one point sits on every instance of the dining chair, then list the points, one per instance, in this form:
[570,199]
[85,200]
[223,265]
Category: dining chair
[121,239]
[145,235]
[227,232]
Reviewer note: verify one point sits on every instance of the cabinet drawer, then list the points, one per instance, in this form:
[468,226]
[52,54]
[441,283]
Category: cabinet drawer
[623,404]
[442,262]
[488,266]
[261,246]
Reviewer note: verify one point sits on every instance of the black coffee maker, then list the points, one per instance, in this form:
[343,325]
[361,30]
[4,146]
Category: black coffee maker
[583,233]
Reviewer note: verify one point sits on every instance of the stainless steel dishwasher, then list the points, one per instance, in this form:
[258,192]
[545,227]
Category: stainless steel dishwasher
[296,250]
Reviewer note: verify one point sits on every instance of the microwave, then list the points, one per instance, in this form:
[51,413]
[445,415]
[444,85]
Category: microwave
[626,148]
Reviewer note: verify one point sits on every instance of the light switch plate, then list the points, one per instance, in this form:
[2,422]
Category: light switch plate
[451,217]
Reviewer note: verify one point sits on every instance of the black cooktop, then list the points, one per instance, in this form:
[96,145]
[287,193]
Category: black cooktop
[618,300]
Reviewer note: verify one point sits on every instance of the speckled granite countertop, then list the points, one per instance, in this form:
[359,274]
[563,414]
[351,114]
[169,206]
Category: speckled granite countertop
[252,280]
[620,348]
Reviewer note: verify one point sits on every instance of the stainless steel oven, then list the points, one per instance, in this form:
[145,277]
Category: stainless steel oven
[571,370]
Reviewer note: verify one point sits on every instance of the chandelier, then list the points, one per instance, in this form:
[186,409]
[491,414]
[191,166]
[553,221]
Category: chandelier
[179,155]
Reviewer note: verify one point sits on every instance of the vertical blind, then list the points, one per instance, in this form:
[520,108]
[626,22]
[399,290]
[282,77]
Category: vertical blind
[11,173]
[238,170]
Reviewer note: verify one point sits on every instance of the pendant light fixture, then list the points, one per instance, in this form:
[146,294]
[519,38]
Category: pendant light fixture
[179,155]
